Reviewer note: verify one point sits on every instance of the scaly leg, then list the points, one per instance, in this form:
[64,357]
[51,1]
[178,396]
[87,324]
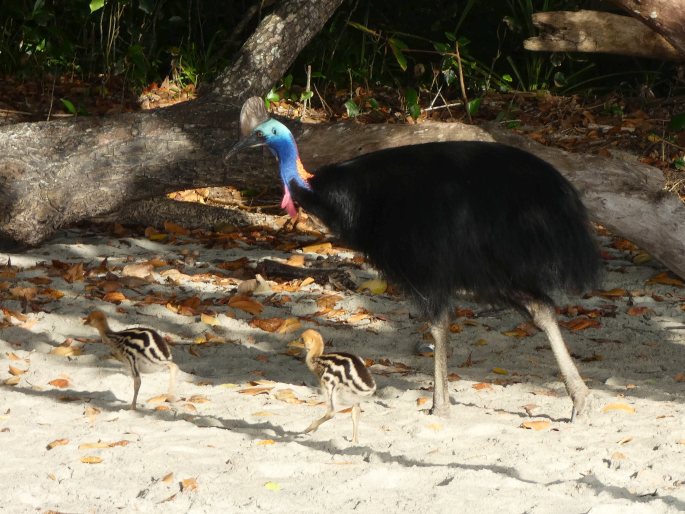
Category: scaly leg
[544,317]
[316,424]
[330,411]
[173,370]
[441,397]
[356,413]
[136,388]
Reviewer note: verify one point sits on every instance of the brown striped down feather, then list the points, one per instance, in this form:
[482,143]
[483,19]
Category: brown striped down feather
[141,349]
[342,376]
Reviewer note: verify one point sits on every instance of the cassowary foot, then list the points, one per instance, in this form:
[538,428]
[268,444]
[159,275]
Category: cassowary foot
[442,411]
[583,402]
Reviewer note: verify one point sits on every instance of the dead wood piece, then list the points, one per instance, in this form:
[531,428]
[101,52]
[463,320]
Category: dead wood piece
[337,277]
[599,32]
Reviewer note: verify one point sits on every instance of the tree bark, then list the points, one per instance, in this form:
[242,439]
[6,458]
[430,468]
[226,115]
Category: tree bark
[53,174]
[665,17]
[599,32]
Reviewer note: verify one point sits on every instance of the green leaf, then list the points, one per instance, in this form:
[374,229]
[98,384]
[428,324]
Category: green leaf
[96,5]
[306,95]
[352,109]
[288,81]
[507,78]
[679,163]
[69,106]
[146,6]
[449,75]
[441,47]
[38,6]
[411,96]
[677,122]
[473,106]
[363,28]
[396,45]
[373,103]
[414,111]
[272,96]
[559,79]
[450,36]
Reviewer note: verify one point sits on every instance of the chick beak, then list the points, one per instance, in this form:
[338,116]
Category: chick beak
[297,343]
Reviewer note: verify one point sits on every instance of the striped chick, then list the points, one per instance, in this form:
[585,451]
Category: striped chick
[343,378]
[142,349]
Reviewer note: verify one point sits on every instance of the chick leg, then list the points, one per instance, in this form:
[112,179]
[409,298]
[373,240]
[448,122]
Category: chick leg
[173,371]
[136,388]
[330,412]
[356,413]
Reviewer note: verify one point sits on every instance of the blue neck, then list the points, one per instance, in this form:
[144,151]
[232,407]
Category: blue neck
[286,150]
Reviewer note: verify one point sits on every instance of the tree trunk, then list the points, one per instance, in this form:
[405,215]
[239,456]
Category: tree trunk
[53,174]
[599,32]
[665,17]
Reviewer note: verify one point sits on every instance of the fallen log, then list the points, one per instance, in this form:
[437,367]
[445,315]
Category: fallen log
[599,32]
[80,172]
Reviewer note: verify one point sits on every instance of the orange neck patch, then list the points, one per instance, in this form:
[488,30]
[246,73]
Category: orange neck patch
[302,172]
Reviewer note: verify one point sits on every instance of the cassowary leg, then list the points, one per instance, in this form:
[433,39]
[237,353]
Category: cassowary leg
[544,317]
[441,397]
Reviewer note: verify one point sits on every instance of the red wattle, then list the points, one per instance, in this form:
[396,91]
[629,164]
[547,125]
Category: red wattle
[288,204]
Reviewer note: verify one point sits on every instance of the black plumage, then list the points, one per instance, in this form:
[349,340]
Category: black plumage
[436,218]
[481,219]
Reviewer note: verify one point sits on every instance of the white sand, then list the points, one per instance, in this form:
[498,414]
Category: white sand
[480,460]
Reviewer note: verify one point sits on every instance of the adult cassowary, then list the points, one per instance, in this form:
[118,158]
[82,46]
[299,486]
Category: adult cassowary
[480,219]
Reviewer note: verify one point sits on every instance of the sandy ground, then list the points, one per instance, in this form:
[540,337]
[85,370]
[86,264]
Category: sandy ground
[221,449]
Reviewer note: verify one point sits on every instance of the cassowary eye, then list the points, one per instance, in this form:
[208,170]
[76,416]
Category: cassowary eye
[259,133]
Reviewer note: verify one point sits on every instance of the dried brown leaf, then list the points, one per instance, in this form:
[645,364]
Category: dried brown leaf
[245,303]
[59,382]
[56,443]
[580,324]
[267,324]
[91,459]
[287,396]
[74,273]
[253,391]
[536,425]
[114,297]
[296,260]
[667,279]
[323,248]
[624,407]
[16,371]
[189,484]
[174,228]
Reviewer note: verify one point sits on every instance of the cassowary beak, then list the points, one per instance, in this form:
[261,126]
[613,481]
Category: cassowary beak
[251,141]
